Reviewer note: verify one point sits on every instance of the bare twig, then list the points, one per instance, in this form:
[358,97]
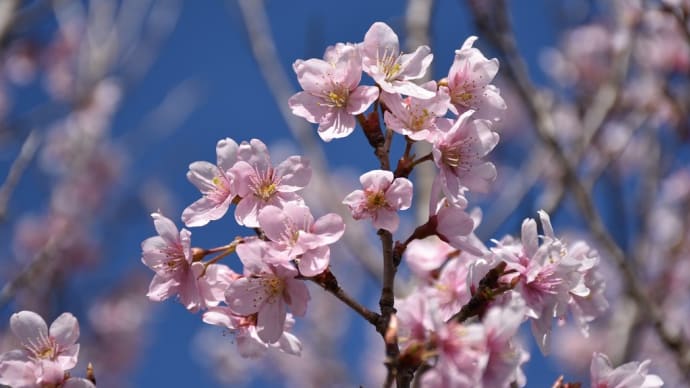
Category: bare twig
[26,154]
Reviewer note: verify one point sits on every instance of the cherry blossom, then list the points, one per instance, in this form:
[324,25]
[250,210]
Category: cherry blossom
[469,81]
[215,182]
[630,375]
[46,354]
[259,184]
[415,117]
[266,290]
[332,95]
[169,255]
[392,70]
[382,197]
[295,235]
[458,152]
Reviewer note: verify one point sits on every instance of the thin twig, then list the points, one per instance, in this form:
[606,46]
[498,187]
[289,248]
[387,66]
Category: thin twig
[26,154]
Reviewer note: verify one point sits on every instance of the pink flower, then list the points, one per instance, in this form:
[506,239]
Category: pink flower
[456,227]
[415,117]
[169,255]
[630,375]
[468,82]
[249,344]
[260,184]
[458,152]
[295,235]
[501,324]
[331,96]
[266,290]
[46,353]
[547,275]
[215,183]
[427,255]
[382,197]
[390,69]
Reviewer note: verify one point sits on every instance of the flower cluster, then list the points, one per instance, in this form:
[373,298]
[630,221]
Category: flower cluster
[292,244]
[46,354]
[458,325]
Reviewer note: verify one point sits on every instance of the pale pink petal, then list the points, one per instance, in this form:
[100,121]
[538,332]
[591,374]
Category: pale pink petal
[329,228]
[290,344]
[226,153]
[220,316]
[74,382]
[247,211]
[166,228]
[354,199]
[201,175]
[415,65]
[271,321]
[376,180]
[530,240]
[399,194]
[245,296]
[361,99]
[273,222]
[65,329]
[295,172]
[315,261]
[312,74]
[162,288]
[205,210]
[336,125]
[28,326]
[309,107]
[298,294]
[386,219]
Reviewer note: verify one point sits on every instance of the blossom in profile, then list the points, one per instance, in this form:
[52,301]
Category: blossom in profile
[383,195]
[259,184]
[249,344]
[469,81]
[216,184]
[169,255]
[459,151]
[294,234]
[332,96]
[46,353]
[266,290]
[631,375]
[392,70]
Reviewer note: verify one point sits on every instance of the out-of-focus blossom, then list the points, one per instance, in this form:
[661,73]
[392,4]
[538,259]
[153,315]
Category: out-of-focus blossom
[392,70]
[427,255]
[382,197]
[332,96]
[631,375]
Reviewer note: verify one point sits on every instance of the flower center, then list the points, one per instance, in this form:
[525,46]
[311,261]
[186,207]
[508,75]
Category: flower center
[388,63]
[274,287]
[338,97]
[376,200]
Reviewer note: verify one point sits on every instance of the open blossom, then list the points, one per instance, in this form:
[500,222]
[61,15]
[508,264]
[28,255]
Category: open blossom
[295,235]
[216,184]
[548,276]
[46,354]
[501,325]
[392,70]
[259,184]
[458,152]
[382,197]
[630,375]
[266,290]
[332,95]
[170,255]
[469,81]
[415,117]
